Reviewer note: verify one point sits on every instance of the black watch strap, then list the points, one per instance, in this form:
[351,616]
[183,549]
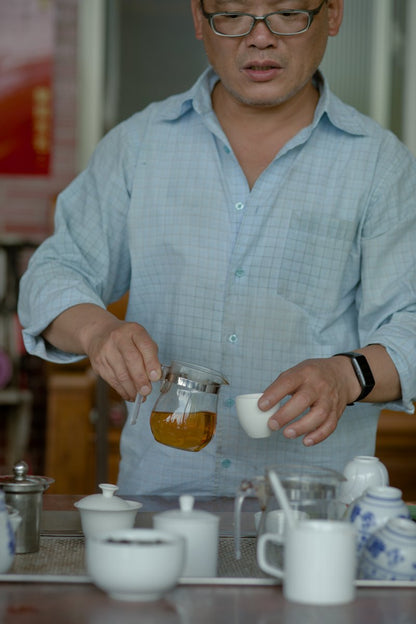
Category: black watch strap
[363,372]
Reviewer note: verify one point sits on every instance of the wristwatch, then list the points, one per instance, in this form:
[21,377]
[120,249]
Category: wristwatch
[363,372]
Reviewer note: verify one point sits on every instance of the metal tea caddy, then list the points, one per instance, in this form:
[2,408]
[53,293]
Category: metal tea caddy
[24,493]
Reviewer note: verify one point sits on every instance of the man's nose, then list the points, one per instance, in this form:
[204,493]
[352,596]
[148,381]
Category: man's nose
[261,32]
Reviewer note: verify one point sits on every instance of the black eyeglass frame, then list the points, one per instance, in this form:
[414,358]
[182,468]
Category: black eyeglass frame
[263,18]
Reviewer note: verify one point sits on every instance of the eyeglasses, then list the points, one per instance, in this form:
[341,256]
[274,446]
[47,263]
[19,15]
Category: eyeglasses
[285,22]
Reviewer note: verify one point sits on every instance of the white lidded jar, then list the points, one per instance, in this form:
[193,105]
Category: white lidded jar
[201,531]
[362,472]
[373,509]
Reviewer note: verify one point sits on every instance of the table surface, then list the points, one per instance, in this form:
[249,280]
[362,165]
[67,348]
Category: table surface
[83,603]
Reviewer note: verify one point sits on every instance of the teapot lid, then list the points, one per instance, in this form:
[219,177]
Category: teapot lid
[21,482]
[192,377]
[186,512]
[106,501]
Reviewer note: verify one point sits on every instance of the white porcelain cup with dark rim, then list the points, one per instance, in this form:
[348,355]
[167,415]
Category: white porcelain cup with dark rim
[319,561]
[252,419]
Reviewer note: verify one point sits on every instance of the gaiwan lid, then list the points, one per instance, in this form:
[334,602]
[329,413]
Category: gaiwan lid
[105,501]
[20,482]
[186,512]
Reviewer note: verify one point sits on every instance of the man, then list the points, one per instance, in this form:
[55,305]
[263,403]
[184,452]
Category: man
[262,228]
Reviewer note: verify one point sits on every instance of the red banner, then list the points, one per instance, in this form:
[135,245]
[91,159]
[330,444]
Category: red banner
[26,67]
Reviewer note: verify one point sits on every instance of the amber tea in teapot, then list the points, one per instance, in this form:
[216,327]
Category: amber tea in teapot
[185,414]
[189,434]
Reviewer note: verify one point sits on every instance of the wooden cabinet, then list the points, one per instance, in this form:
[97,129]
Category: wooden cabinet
[396,448]
[70,457]
[71,436]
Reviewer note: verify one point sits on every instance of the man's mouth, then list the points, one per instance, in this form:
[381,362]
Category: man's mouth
[263,71]
[253,67]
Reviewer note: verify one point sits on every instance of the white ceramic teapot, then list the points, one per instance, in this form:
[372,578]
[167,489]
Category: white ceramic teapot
[9,522]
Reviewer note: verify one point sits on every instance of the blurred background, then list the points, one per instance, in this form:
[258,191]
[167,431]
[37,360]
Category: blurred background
[69,71]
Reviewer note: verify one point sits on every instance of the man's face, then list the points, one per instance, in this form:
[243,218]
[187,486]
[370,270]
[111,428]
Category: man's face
[262,69]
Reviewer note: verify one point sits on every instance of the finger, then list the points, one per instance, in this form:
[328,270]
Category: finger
[117,376]
[136,348]
[283,386]
[294,407]
[322,433]
[316,426]
[135,368]
[149,353]
[120,364]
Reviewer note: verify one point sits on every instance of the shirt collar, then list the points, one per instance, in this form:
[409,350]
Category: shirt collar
[339,114]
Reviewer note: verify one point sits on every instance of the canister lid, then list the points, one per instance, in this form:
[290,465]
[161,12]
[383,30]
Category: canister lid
[21,482]
[187,513]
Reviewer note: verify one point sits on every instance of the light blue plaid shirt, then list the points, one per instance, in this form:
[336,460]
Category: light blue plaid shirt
[319,257]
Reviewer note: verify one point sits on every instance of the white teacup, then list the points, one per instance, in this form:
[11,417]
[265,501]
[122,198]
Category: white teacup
[362,472]
[252,419]
[320,561]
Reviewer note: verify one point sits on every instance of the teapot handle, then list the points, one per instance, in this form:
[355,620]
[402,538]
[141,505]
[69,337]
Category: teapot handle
[258,487]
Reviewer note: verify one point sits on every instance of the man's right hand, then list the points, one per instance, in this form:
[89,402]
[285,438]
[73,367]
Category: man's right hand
[120,352]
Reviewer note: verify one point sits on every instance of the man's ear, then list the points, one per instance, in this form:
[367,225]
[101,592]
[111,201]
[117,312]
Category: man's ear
[197,17]
[335,14]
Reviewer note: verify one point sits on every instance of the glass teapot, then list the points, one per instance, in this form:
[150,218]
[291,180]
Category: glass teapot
[185,414]
[312,490]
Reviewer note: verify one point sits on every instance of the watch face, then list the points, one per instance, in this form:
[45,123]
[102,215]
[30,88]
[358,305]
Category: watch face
[363,372]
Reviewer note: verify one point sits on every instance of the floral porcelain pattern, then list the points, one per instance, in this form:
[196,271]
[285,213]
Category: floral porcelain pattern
[373,510]
[390,553]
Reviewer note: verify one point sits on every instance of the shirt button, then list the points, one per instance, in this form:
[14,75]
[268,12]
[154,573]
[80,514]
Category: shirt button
[226,463]
[239,206]
[229,403]
[227,149]
[233,338]
[240,273]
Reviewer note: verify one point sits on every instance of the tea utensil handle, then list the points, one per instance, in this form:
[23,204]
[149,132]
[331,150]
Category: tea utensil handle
[136,409]
[281,496]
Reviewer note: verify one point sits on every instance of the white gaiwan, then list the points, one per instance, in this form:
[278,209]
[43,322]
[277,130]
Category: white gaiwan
[105,512]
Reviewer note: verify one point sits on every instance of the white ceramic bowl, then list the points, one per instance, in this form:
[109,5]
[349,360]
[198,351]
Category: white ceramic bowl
[136,564]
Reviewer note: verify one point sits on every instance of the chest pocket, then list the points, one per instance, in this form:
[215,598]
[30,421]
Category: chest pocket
[320,264]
